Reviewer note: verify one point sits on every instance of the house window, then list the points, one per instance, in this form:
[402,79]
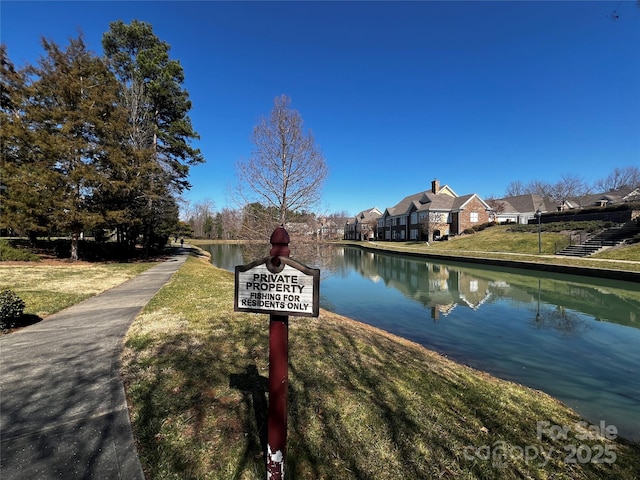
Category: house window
[473,217]
[403,220]
[414,218]
[413,234]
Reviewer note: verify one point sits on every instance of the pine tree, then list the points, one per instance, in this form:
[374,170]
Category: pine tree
[71,104]
[25,185]
[159,128]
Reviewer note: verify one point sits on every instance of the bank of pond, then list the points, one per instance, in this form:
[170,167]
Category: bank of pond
[574,337]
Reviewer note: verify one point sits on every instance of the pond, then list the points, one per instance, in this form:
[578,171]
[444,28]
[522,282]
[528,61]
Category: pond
[575,338]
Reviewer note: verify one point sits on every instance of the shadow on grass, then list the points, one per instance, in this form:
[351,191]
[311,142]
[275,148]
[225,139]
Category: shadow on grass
[253,387]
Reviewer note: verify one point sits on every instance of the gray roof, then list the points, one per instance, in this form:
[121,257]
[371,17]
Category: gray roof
[528,202]
[429,201]
[594,199]
[368,216]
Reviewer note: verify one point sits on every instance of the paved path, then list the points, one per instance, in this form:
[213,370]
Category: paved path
[63,412]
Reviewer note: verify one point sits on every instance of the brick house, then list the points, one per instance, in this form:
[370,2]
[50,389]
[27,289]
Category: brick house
[431,215]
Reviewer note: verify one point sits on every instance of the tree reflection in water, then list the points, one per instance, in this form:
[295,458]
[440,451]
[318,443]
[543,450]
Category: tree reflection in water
[559,318]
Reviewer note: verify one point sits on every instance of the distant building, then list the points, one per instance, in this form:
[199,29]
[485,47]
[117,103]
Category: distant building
[605,199]
[432,215]
[330,229]
[520,208]
[363,226]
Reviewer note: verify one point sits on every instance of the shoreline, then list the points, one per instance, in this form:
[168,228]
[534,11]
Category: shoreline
[593,272]
[363,324]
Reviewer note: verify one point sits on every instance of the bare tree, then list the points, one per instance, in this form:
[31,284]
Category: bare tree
[430,223]
[230,223]
[198,214]
[540,187]
[537,187]
[515,188]
[619,179]
[286,170]
[569,186]
[497,207]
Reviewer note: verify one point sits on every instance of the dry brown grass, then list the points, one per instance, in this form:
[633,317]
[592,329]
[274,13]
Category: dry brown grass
[49,286]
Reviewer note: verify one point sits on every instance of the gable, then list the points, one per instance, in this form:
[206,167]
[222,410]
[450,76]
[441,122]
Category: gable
[447,190]
[462,202]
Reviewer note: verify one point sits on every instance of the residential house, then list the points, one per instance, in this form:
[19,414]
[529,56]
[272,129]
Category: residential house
[605,199]
[330,229]
[520,208]
[431,215]
[633,196]
[363,226]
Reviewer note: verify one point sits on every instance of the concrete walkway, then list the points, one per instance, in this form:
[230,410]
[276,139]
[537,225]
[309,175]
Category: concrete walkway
[63,412]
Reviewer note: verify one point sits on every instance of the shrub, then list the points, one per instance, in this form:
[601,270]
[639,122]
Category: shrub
[10,252]
[482,226]
[11,308]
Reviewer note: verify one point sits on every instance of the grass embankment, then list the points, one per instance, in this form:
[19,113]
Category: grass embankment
[501,244]
[363,403]
[48,287]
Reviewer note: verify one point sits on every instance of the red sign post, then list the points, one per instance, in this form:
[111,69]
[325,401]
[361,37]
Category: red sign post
[277,285]
[278,373]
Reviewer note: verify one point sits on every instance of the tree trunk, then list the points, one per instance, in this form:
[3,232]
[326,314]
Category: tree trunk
[74,246]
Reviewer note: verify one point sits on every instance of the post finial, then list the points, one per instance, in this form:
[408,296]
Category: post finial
[279,242]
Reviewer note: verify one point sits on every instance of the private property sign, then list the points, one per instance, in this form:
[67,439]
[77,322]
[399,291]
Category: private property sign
[290,288]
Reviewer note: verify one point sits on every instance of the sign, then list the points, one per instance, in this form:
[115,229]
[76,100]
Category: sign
[290,288]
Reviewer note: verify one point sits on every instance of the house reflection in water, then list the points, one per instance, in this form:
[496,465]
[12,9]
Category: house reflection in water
[438,287]
[443,287]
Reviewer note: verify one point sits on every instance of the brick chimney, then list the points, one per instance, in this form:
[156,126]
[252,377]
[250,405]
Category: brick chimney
[435,185]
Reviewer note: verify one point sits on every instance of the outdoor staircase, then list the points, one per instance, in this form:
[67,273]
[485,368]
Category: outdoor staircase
[605,239]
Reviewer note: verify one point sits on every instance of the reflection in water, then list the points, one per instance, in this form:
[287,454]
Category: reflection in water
[225,255]
[442,287]
[573,337]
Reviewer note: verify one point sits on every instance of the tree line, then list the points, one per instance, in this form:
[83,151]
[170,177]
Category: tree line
[569,186]
[96,143]
[254,221]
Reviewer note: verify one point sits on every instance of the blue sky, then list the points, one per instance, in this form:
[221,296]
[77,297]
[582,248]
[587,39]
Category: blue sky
[476,94]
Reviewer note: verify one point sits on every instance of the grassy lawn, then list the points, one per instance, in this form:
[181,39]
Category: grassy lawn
[48,287]
[363,403]
[500,239]
[628,253]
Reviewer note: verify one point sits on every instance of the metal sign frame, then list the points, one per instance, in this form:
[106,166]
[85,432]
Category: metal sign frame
[283,294]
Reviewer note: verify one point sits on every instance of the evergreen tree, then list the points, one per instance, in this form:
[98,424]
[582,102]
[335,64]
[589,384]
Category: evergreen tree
[24,181]
[159,128]
[71,103]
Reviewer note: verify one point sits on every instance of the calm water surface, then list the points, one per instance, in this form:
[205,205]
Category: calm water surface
[576,338]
